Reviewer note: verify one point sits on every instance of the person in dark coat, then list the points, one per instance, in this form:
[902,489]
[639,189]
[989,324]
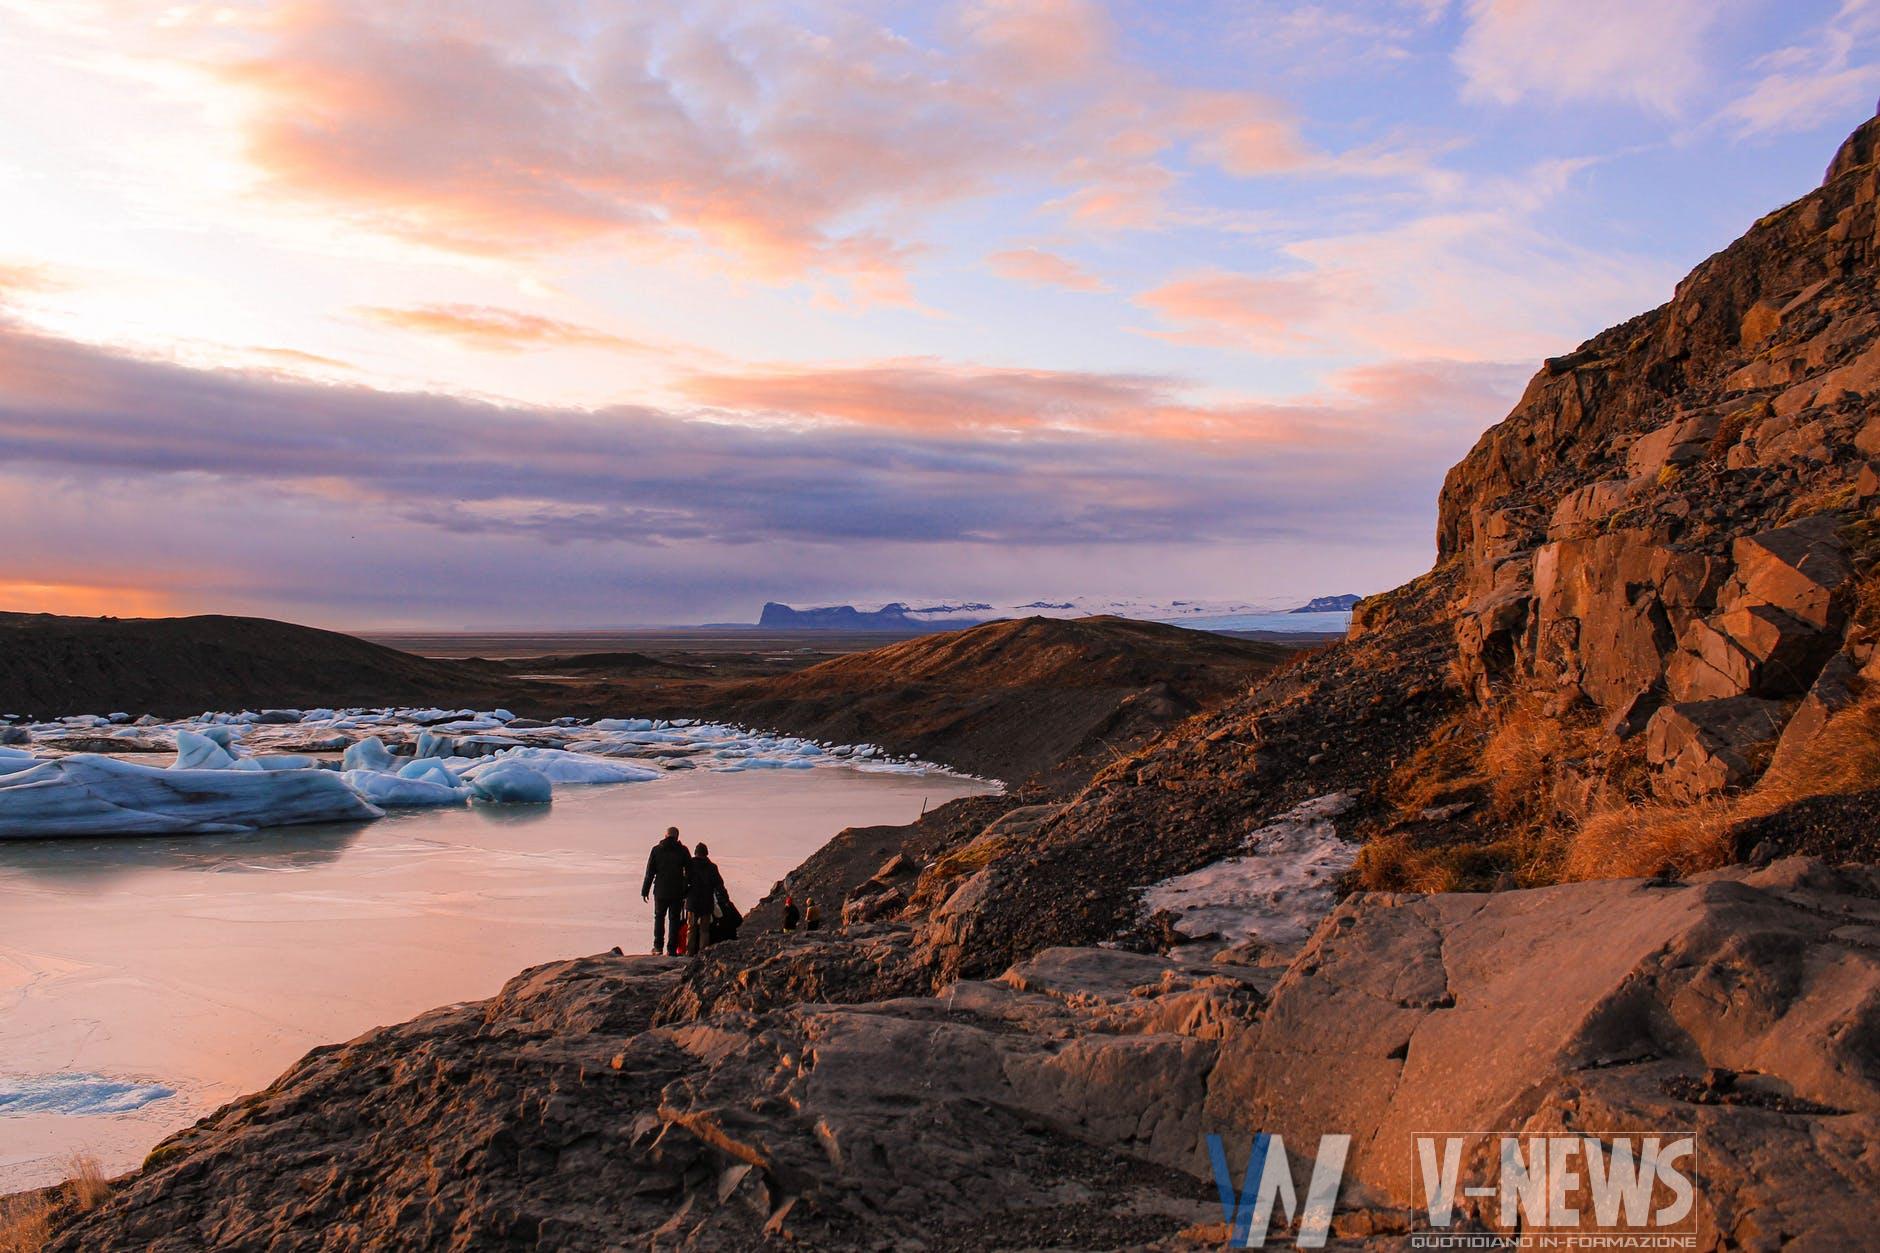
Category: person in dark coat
[791,914]
[704,888]
[665,883]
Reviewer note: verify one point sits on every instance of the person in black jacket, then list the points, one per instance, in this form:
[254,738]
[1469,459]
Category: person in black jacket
[666,883]
[704,888]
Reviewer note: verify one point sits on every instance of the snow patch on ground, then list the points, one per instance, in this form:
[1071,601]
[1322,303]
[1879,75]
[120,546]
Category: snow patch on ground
[1277,892]
[75,1094]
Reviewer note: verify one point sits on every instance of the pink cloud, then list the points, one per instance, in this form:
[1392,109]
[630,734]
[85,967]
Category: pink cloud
[1393,401]
[788,152]
[504,330]
[1568,51]
[1227,309]
[1044,269]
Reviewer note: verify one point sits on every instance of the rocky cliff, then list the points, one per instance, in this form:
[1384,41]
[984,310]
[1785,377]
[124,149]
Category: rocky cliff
[1643,653]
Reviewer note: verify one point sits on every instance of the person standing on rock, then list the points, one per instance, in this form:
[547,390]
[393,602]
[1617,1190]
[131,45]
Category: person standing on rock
[665,883]
[704,888]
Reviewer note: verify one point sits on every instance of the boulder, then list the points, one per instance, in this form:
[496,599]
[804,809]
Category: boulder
[1674,443]
[1751,649]
[1742,1005]
[1797,568]
[1704,747]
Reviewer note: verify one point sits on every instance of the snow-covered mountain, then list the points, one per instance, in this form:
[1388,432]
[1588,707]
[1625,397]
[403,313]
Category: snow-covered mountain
[946,614]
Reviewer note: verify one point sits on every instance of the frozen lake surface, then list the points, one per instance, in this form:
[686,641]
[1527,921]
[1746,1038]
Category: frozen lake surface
[143,982]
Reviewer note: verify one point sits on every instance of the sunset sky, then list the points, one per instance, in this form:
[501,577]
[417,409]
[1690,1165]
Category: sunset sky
[543,314]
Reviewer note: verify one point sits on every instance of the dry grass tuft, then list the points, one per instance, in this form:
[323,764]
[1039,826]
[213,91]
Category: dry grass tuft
[25,1223]
[85,1182]
[1823,498]
[1649,837]
[1447,762]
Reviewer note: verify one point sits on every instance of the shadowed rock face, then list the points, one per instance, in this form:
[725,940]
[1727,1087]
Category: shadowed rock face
[627,1102]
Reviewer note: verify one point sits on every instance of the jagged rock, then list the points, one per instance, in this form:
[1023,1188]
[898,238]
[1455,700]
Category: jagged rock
[1675,443]
[1424,1014]
[1796,568]
[1753,649]
[1704,747]
[1579,510]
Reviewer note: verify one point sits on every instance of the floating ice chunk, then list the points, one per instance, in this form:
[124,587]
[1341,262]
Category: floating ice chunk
[201,752]
[91,795]
[431,768]
[511,783]
[623,724]
[368,754]
[432,745]
[559,766]
[1278,892]
[390,791]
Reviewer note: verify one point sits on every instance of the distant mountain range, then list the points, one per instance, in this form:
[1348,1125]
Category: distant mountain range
[1329,604]
[948,615]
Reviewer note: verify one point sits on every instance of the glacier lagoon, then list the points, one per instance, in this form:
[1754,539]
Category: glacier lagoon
[145,981]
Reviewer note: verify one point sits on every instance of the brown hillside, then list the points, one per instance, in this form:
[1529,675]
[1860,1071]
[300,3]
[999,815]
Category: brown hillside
[1012,699]
[172,667]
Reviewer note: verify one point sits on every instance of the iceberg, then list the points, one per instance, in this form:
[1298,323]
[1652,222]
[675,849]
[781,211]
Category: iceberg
[560,766]
[368,754]
[201,752]
[90,795]
[433,745]
[512,783]
[432,768]
[389,791]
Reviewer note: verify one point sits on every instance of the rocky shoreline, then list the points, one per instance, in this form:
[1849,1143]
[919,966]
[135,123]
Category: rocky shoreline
[807,1091]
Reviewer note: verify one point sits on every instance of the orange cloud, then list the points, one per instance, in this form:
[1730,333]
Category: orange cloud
[1045,269]
[502,330]
[84,600]
[943,399]
[1222,308]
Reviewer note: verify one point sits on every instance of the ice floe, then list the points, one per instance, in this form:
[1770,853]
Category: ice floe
[87,794]
[1278,892]
[236,771]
